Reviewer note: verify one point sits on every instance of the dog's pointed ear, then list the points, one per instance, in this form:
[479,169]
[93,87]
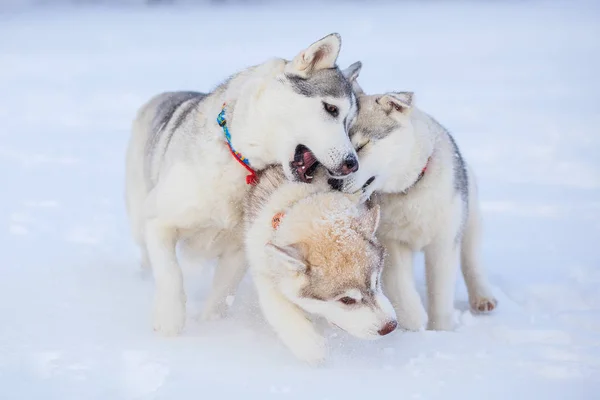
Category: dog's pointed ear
[291,256]
[369,221]
[351,73]
[321,54]
[401,102]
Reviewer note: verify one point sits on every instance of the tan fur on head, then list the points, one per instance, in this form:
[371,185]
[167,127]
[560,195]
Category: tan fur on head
[338,247]
[323,259]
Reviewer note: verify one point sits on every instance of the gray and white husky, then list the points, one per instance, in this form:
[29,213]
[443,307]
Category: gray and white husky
[313,251]
[428,199]
[184,178]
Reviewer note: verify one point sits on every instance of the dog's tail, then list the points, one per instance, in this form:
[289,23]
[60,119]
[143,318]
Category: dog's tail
[136,189]
[480,294]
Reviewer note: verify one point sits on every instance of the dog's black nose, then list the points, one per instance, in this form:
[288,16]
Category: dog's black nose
[335,184]
[350,165]
[388,328]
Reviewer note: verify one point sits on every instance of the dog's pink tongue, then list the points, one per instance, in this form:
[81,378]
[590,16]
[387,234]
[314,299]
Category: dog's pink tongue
[309,159]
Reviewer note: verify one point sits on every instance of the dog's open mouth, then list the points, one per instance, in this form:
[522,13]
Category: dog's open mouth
[305,163]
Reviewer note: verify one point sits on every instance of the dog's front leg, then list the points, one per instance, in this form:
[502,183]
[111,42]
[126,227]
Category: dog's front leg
[290,323]
[169,295]
[230,270]
[399,286]
[440,270]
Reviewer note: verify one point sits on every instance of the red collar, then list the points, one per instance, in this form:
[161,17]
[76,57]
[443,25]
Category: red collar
[421,175]
[251,179]
[425,167]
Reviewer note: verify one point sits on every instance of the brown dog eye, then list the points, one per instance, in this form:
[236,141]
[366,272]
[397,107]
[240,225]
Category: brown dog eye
[331,109]
[348,300]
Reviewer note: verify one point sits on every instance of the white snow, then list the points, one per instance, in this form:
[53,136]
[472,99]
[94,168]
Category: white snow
[516,82]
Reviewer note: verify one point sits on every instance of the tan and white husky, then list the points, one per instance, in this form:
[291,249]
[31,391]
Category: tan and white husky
[313,251]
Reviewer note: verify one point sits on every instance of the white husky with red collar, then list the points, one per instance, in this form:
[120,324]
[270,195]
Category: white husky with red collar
[183,182]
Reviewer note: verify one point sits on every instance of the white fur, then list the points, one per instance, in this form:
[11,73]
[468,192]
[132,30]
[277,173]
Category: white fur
[194,189]
[427,218]
[430,217]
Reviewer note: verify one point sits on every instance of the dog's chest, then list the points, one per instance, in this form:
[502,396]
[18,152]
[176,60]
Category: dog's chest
[413,220]
[207,199]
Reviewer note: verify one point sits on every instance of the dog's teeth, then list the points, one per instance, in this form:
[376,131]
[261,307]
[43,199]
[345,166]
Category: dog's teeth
[309,176]
[303,167]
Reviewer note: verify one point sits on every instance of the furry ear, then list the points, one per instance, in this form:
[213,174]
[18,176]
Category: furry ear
[290,255]
[369,221]
[320,55]
[397,101]
[351,73]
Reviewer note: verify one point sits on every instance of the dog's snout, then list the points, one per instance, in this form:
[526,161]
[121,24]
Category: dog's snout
[349,165]
[389,327]
[335,184]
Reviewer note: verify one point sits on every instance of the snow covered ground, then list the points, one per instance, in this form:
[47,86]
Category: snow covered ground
[516,82]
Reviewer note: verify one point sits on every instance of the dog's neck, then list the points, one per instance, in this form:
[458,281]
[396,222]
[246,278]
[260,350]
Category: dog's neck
[249,124]
[423,153]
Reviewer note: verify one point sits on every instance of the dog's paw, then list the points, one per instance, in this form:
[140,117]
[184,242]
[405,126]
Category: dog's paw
[213,313]
[412,321]
[441,323]
[310,349]
[483,304]
[216,309]
[411,315]
[169,314]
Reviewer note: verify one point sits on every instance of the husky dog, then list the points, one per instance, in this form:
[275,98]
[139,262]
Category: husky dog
[314,251]
[428,199]
[183,172]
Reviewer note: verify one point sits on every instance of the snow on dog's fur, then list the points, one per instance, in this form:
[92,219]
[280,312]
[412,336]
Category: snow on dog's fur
[182,182]
[321,258]
[428,199]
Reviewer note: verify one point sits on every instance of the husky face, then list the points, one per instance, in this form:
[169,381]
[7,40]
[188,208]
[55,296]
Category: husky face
[312,107]
[384,139]
[335,272]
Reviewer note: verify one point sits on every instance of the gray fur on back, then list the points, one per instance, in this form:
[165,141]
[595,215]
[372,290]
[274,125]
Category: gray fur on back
[461,180]
[171,102]
[461,183]
[460,177]
[171,111]
[269,179]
